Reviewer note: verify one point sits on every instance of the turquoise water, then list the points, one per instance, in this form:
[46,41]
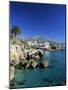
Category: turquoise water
[52,76]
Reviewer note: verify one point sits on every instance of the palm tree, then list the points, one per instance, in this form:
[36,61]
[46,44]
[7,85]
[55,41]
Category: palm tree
[15,31]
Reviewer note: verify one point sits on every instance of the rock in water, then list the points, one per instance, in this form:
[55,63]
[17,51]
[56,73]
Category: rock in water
[27,65]
[11,74]
[45,63]
[40,65]
[34,64]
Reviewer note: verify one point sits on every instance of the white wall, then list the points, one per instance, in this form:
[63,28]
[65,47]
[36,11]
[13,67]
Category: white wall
[47,45]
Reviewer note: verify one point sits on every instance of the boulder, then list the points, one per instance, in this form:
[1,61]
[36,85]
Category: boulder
[36,57]
[12,71]
[34,63]
[40,65]
[27,65]
[45,63]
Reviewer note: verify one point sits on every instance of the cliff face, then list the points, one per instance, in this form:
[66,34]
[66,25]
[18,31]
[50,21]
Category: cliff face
[16,52]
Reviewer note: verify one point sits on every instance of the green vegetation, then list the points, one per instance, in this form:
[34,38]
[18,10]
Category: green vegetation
[53,47]
[15,31]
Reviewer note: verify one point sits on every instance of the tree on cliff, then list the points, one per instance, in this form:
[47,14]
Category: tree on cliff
[15,31]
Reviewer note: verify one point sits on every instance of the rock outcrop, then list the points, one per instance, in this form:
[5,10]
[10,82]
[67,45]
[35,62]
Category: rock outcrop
[12,71]
[23,58]
[45,63]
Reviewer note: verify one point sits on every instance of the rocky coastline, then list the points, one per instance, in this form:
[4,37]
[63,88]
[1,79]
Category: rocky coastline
[22,58]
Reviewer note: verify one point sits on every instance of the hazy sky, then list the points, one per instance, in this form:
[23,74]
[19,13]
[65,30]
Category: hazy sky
[46,20]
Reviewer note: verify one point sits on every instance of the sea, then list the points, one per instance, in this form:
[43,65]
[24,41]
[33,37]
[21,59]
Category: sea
[53,75]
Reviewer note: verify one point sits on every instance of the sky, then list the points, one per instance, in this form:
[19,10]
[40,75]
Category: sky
[46,20]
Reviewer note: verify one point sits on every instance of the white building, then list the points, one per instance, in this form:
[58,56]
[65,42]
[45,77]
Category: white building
[39,45]
[30,43]
[47,45]
[35,42]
